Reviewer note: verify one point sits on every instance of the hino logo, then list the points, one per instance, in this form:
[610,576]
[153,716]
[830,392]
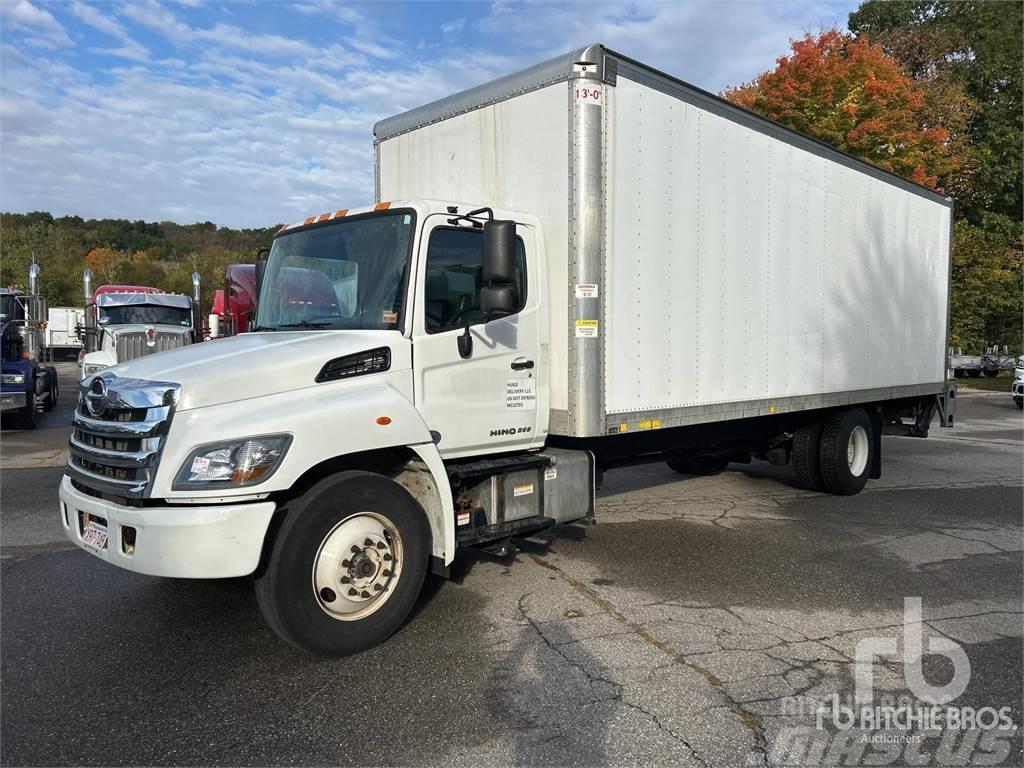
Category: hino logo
[150,336]
[96,397]
[502,431]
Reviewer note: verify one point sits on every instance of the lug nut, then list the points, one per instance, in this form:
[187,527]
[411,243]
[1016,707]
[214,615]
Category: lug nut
[377,587]
[381,545]
[355,550]
[327,594]
[387,558]
[352,592]
[367,542]
[345,579]
[364,593]
[385,572]
[346,563]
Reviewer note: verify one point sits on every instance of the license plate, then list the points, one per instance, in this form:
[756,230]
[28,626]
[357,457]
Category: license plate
[95,536]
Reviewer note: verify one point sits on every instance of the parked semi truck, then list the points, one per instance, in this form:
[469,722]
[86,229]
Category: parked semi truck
[234,305]
[125,322]
[27,386]
[578,267]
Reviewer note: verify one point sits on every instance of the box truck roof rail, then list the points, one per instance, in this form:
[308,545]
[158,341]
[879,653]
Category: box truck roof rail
[608,66]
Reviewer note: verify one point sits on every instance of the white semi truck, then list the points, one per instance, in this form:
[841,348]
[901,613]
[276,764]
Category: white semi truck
[580,266]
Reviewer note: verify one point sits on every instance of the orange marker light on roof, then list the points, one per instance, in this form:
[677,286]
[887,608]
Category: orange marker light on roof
[339,214]
[309,220]
[323,217]
[382,206]
[383,420]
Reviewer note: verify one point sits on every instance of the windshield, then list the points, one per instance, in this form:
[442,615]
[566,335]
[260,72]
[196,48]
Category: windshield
[145,314]
[350,274]
[10,309]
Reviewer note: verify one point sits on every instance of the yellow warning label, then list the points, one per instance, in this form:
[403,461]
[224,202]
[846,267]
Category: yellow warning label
[649,424]
[587,329]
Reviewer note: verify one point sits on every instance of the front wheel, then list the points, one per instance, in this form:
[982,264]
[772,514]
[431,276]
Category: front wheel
[346,565]
[26,418]
[846,451]
[1019,401]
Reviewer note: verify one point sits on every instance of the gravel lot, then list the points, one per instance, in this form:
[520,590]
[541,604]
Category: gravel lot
[701,622]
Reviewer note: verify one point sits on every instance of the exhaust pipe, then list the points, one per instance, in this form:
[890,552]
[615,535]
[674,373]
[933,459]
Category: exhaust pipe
[33,310]
[89,335]
[197,312]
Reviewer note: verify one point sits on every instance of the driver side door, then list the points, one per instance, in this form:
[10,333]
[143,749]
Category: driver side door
[491,401]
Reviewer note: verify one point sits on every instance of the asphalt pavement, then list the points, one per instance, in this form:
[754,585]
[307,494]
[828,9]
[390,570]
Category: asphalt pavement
[702,621]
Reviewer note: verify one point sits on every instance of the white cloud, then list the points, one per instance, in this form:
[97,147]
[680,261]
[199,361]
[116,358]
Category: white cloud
[247,128]
[129,48]
[21,13]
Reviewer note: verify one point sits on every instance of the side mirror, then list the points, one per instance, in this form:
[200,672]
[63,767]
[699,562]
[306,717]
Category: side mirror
[497,295]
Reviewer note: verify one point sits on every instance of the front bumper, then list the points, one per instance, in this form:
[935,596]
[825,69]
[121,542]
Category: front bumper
[11,401]
[189,542]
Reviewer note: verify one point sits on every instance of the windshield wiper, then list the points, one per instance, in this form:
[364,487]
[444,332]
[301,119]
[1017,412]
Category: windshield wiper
[305,324]
[262,328]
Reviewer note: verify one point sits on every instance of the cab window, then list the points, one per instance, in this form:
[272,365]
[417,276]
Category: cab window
[454,269]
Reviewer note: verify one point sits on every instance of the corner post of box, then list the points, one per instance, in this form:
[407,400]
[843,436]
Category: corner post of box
[588,86]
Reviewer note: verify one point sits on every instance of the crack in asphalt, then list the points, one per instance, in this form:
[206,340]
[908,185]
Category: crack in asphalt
[617,696]
[751,720]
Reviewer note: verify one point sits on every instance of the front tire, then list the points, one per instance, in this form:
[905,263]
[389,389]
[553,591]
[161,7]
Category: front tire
[1019,401]
[346,565]
[52,389]
[847,448]
[26,419]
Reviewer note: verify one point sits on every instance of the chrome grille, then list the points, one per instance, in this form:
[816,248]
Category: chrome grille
[133,344]
[119,428]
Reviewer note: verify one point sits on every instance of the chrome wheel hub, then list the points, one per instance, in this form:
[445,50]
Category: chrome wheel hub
[357,566]
[857,451]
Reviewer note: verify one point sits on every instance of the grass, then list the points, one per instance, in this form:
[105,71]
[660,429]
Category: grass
[999,384]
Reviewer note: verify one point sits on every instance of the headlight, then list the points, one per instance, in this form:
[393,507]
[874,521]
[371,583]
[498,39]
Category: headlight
[90,369]
[232,464]
[13,378]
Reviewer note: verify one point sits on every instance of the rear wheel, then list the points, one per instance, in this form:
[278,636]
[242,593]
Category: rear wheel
[346,565]
[698,465]
[974,373]
[807,457]
[846,451]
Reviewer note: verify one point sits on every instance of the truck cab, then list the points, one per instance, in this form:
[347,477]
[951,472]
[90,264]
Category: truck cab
[134,321]
[415,334]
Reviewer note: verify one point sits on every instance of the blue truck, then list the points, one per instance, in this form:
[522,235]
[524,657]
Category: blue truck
[27,386]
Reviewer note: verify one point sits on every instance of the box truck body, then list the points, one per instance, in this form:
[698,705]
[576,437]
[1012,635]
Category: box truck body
[581,266]
[704,263]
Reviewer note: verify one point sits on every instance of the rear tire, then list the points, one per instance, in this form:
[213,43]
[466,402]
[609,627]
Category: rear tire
[698,465]
[847,448]
[974,373]
[807,457]
[325,589]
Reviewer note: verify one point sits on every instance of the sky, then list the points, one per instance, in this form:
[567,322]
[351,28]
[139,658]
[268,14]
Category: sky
[253,113]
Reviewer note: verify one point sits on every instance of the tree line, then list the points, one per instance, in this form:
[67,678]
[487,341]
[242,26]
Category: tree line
[161,254]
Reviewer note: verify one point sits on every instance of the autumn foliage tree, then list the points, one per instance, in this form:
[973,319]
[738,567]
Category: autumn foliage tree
[850,93]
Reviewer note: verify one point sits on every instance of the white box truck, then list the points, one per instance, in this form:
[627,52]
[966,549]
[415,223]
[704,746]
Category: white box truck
[582,265]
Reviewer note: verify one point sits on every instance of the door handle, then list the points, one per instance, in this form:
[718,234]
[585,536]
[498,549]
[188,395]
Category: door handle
[520,364]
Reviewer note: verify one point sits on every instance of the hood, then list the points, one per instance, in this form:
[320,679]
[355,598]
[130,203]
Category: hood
[256,364]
